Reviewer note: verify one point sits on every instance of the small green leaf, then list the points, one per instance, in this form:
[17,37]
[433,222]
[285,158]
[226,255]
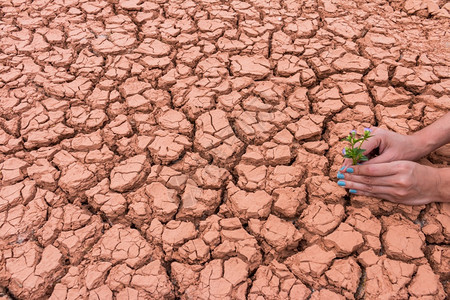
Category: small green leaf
[359,152]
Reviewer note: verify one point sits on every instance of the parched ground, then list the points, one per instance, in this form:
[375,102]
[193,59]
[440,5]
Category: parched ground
[178,149]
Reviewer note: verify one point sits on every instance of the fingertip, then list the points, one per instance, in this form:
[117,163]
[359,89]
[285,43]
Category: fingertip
[348,169]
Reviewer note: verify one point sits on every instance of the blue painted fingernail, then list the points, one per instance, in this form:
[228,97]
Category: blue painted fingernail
[340,176]
[349,170]
[341,183]
[342,168]
[353,191]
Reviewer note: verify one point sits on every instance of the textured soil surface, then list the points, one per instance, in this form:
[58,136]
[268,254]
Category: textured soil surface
[188,149]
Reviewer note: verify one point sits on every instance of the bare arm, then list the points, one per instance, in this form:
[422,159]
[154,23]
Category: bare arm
[433,136]
[393,176]
[394,146]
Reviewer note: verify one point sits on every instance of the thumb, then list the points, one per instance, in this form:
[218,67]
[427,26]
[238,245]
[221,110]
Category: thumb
[383,158]
[372,143]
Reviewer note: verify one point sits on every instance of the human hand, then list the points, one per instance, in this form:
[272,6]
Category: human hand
[391,146]
[402,182]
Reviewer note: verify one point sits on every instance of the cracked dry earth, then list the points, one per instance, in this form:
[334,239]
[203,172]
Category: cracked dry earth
[174,149]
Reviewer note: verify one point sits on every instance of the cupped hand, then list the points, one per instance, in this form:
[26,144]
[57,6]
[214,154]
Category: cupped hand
[402,182]
[391,146]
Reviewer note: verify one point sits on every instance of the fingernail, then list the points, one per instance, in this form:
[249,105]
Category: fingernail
[340,176]
[349,170]
[342,168]
[341,183]
[353,191]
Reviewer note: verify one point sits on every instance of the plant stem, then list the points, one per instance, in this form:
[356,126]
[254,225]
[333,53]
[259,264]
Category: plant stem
[355,160]
[364,138]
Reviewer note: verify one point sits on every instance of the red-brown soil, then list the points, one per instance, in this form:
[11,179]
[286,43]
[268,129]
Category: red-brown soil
[175,149]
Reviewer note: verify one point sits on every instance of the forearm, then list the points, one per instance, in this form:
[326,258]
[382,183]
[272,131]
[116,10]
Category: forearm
[443,184]
[433,136]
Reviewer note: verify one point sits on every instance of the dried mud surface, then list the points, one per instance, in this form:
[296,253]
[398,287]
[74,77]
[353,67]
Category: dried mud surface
[188,149]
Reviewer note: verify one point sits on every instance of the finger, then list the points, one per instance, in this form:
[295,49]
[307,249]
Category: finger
[392,197]
[347,162]
[355,187]
[372,143]
[375,195]
[369,194]
[383,169]
[370,180]
[383,158]
[390,193]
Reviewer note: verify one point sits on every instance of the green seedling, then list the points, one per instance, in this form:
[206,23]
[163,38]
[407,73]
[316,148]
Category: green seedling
[355,152]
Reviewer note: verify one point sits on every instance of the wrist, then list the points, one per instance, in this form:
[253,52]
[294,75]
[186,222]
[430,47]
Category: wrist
[443,184]
[435,135]
[422,145]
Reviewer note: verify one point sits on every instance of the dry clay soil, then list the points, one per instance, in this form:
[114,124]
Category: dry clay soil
[179,149]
